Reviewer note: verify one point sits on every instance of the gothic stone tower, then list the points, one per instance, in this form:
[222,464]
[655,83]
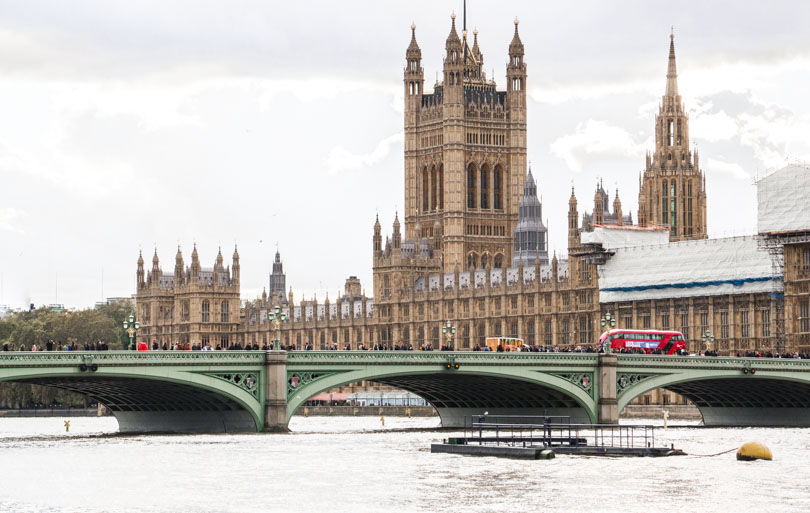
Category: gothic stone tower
[673,189]
[465,154]
[192,306]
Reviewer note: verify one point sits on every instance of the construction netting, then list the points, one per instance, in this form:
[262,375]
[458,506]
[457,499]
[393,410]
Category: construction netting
[705,267]
[783,200]
[618,237]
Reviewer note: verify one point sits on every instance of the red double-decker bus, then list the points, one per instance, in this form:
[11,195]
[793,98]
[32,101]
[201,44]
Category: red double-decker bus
[669,342]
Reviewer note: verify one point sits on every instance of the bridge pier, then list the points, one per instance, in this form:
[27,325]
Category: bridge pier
[275,403]
[608,405]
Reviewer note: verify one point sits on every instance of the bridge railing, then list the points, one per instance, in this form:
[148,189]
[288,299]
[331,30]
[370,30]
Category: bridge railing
[714,362]
[57,358]
[437,357]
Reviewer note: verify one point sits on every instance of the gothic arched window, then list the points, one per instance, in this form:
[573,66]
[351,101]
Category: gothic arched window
[223,312]
[484,187]
[206,309]
[425,206]
[441,186]
[497,185]
[433,188]
[471,186]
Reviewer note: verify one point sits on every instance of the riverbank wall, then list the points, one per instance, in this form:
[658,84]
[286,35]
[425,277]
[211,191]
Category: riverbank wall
[366,411]
[633,411]
[55,412]
[676,412]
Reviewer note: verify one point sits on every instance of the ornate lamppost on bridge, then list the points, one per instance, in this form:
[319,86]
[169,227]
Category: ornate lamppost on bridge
[608,321]
[707,339]
[449,331]
[131,326]
[276,317]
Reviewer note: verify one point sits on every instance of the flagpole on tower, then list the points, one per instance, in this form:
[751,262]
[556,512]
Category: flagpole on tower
[464,28]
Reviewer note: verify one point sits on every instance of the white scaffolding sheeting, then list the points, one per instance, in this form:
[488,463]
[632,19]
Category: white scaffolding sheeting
[684,269]
[613,238]
[783,200]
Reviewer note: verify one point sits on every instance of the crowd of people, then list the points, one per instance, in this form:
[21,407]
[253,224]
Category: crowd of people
[50,345]
[769,354]
[100,345]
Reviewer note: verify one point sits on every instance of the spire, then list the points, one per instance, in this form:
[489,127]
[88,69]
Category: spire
[140,273]
[475,49]
[617,209]
[195,262]
[672,73]
[155,266]
[516,46]
[178,268]
[235,268]
[413,52]
[219,257]
[397,237]
[529,185]
[453,36]
[377,239]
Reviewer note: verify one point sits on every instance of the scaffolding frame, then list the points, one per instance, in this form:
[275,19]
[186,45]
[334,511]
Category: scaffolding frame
[774,244]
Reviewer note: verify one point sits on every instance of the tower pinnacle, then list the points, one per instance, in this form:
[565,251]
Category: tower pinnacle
[672,73]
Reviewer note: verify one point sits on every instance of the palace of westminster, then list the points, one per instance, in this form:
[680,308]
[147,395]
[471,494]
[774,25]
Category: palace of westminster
[474,250]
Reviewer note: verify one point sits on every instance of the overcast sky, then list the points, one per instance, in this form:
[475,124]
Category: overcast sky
[135,125]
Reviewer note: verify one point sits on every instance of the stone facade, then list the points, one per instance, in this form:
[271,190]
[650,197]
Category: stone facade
[797,295]
[672,190]
[465,154]
[447,265]
[465,178]
[194,306]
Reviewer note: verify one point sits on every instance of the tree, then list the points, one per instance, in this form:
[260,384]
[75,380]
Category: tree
[38,326]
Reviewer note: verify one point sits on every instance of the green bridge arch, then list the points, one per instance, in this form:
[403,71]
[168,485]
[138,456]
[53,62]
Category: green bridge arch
[238,391]
[776,393]
[155,392]
[516,383]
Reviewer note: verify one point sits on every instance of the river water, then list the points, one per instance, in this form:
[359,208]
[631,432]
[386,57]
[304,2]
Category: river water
[354,464]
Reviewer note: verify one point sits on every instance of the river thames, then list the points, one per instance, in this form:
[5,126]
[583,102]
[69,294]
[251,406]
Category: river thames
[355,464]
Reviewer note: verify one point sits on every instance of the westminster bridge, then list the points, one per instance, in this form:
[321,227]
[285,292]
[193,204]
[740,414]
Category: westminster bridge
[242,391]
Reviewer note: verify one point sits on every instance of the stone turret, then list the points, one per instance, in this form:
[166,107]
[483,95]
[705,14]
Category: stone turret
[195,265]
[179,268]
[377,239]
[573,219]
[617,209]
[141,275]
[235,268]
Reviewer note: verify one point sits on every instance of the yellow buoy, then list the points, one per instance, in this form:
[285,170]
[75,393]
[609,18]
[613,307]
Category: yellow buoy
[753,451]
